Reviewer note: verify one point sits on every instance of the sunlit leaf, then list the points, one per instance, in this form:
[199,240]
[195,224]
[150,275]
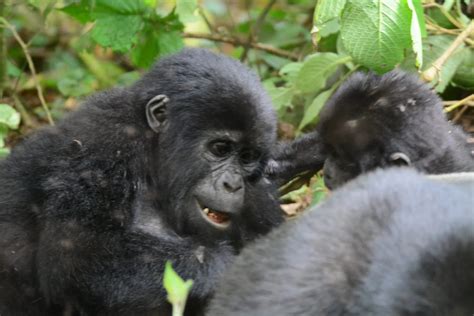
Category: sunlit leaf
[9,116]
[376,33]
[185,10]
[312,112]
[316,70]
[176,288]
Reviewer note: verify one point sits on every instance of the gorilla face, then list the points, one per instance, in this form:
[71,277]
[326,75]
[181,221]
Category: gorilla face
[223,137]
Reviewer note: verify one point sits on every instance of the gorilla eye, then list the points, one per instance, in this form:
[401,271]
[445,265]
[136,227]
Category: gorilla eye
[248,156]
[221,148]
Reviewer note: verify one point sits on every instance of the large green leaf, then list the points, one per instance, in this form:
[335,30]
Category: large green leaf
[464,76]
[117,31]
[117,21]
[185,9]
[376,32]
[326,15]
[316,70]
[312,112]
[155,43]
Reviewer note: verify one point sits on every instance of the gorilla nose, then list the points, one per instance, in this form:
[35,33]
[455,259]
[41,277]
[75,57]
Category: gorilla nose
[232,182]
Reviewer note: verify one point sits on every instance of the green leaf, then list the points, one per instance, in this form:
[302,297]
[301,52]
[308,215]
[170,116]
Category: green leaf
[81,11]
[415,31]
[281,96]
[319,190]
[290,71]
[449,69]
[154,43]
[185,10]
[176,288]
[312,112]
[376,32]
[117,32]
[4,152]
[117,21]
[9,116]
[3,134]
[316,70]
[326,15]
[464,76]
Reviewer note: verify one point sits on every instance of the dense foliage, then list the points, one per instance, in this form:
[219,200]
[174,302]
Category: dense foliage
[53,53]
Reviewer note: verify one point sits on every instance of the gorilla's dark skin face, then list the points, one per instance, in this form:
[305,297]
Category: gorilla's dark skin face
[169,169]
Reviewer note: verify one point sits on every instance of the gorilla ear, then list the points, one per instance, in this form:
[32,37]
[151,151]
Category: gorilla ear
[400,159]
[156,111]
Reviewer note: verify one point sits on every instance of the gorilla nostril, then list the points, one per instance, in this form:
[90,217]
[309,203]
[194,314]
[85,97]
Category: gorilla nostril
[232,188]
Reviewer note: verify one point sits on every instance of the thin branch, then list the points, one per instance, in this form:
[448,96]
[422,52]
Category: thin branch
[253,34]
[3,53]
[459,103]
[460,113]
[24,47]
[431,73]
[239,42]
[206,20]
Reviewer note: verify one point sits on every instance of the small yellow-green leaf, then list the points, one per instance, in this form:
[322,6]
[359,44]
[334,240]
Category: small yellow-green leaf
[176,288]
[9,116]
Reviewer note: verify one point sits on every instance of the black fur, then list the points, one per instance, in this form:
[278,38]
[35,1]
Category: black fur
[391,242]
[372,117]
[90,210]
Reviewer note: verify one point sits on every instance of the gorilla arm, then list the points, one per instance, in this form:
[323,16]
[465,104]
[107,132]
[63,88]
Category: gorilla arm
[306,153]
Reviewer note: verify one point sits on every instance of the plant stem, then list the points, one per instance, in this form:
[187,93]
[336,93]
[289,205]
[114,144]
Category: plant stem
[239,42]
[431,73]
[31,65]
[3,53]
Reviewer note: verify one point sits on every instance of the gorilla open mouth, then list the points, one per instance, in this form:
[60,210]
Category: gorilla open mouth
[218,219]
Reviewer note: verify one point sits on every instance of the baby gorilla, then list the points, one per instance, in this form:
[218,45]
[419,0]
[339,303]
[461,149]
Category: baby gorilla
[167,169]
[391,242]
[377,121]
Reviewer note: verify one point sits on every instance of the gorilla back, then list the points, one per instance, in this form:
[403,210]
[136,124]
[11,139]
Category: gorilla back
[167,169]
[391,242]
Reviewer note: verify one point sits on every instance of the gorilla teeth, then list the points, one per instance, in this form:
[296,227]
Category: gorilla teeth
[206,210]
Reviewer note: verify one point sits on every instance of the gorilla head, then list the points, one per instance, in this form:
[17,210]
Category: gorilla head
[395,119]
[218,127]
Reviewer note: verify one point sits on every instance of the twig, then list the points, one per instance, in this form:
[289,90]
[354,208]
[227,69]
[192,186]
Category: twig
[24,47]
[3,54]
[459,103]
[239,42]
[431,73]
[206,20]
[253,34]
[25,117]
[460,113]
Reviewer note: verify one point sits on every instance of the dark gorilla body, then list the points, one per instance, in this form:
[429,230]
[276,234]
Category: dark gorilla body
[388,243]
[167,169]
[377,121]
